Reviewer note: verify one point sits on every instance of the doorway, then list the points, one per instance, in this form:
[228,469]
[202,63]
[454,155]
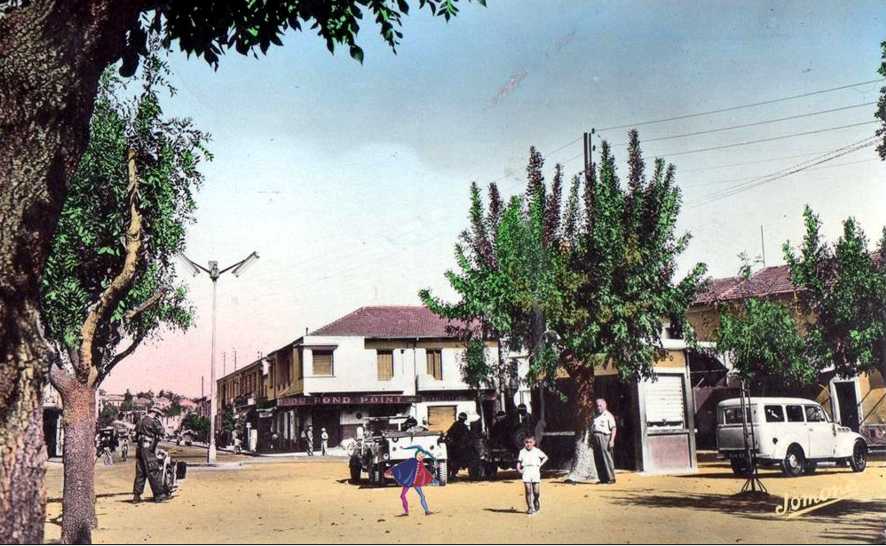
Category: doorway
[847,404]
[330,419]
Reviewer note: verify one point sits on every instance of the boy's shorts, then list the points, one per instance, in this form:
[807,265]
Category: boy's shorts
[531,475]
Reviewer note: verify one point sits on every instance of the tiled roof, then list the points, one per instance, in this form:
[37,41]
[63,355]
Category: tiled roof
[388,321]
[768,281]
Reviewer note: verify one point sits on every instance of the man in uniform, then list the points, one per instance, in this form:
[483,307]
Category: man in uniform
[605,429]
[148,433]
[458,441]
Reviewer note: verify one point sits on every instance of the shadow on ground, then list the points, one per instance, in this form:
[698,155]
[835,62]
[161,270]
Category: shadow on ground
[844,520]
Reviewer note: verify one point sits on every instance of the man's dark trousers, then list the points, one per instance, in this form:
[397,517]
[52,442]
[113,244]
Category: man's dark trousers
[147,466]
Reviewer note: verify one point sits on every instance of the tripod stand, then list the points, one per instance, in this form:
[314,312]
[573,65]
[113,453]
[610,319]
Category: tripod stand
[753,485]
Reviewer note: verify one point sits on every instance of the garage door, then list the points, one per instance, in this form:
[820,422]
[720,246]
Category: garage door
[665,408]
[440,418]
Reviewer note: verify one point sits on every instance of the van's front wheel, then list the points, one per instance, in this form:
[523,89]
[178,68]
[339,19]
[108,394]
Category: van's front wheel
[794,461]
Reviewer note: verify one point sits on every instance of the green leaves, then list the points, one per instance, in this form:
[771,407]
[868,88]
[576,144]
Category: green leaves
[88,247]
[209,28]
[843,291]
[763,341]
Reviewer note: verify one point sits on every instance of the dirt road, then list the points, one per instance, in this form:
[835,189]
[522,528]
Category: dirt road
[274,500]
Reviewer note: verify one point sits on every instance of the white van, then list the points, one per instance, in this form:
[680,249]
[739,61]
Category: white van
[793,433]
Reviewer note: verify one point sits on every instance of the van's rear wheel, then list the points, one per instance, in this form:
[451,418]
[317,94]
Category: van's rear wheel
[859,460]
[809,467]
[794,461]
[740,466]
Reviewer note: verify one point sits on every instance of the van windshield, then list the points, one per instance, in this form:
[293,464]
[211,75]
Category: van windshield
[732,415]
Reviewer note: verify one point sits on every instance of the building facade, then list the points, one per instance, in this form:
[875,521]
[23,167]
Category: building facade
[376,361]
[857,402]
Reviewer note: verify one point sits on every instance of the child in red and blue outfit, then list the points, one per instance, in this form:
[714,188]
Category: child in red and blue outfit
[412,473]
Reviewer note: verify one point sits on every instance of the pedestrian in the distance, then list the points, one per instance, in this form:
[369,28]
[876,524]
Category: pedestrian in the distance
[309,440]
[529,463]
[604,440]
[324,441]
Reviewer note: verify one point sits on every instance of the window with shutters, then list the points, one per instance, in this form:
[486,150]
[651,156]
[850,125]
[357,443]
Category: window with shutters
[435,363]
[385,365]
[440,418]
[665,408]
[323,363]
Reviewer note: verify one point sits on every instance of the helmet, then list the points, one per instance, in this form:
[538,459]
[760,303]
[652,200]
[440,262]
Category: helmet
[462,416]
[521,407]
[156,411]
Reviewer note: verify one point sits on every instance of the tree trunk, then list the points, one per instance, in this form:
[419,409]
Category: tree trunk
[51,56]
[584,465]
[78,504]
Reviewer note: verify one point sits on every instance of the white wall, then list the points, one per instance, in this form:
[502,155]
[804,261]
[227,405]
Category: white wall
[355,368]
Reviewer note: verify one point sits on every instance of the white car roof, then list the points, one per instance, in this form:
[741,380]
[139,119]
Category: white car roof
[766,400]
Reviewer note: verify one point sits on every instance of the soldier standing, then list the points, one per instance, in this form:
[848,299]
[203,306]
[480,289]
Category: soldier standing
[147,435]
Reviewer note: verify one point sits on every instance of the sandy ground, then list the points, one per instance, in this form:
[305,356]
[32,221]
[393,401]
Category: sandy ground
[285,500]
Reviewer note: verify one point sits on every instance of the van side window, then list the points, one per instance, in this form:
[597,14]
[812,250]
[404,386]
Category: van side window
[774,414]
[814,414]
[795,414]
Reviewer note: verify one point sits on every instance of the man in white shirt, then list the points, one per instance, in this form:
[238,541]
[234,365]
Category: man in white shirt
[604,429]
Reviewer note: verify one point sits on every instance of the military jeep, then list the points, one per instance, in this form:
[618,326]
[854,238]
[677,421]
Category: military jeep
[385,445]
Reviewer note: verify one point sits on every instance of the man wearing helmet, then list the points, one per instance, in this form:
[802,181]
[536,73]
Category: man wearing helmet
[148,433]
[458,443]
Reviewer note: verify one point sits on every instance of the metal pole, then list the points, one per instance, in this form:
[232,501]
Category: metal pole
[210,455]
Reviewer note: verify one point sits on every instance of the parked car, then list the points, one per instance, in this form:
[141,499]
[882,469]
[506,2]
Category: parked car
[792,433]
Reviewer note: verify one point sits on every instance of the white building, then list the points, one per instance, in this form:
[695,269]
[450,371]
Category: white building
[375,361]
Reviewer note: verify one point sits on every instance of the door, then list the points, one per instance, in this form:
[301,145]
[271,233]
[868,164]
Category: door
[440,418]
[330,419]
[847,404]
[821,433]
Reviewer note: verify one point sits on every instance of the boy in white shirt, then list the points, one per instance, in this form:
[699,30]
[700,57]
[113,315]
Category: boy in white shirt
[529,463]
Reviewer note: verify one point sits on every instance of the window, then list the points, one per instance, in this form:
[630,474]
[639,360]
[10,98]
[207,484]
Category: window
[795,414]
[815,414]
[435,363]
[323,363]
[774,414]
[664,403]
[385,365]
[732,416]
[440,418]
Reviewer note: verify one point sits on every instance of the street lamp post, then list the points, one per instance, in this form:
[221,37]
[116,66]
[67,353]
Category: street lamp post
[214,273]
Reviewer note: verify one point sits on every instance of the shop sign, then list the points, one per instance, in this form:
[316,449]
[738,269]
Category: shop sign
[346,400]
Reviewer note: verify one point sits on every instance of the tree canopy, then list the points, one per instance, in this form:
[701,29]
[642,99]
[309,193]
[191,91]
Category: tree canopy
[89,250]
[843,286]
[210,28]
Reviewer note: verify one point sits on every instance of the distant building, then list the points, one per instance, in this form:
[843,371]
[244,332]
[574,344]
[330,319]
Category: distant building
[53,429]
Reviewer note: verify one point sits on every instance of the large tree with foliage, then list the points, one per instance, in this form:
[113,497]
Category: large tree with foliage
[52,55]
[589,284]
[625,251]
[843,288]
[109,281]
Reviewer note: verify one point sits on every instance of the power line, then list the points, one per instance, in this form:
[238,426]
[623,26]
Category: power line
[741,106]
[770,139]
[717,182]
[740,188]
[754,124]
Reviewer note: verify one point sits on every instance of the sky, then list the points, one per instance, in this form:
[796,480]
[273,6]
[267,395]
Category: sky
[351,181]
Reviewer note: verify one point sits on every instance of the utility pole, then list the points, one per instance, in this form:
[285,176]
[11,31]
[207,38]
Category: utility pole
[201,387]
[214,273]
[762,246]
[235,359]
[224,363]
[588,150]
